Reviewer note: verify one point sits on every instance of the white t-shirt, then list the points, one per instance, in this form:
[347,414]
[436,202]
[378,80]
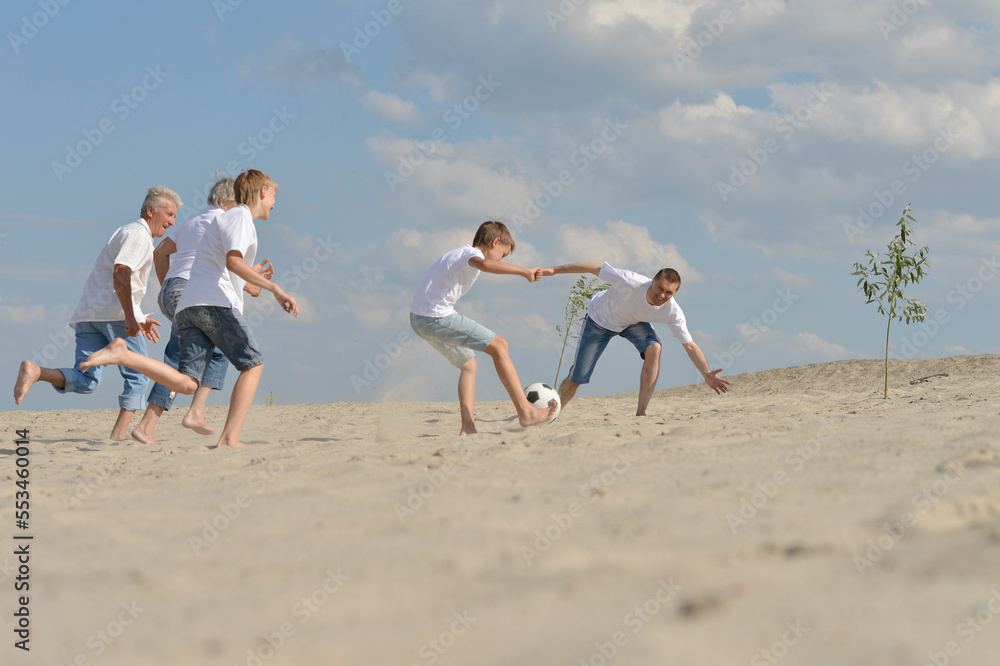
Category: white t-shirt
[446,282]
[624,304]
[132,246]
[187,237]
[211,283]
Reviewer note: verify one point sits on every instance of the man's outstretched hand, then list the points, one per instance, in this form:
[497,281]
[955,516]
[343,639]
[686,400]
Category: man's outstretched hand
[716,383]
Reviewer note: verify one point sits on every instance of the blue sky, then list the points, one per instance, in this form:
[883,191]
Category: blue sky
[760,147]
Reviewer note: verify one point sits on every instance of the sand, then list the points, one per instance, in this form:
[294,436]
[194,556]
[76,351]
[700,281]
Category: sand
[799,519]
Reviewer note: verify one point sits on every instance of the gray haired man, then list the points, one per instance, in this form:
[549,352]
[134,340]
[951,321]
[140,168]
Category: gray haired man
[110,308]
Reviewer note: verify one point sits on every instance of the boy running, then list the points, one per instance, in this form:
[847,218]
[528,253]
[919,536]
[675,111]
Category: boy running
[433,317]
[210,311]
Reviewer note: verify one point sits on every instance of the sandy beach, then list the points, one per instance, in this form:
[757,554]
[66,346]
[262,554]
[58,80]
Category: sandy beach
[798,519]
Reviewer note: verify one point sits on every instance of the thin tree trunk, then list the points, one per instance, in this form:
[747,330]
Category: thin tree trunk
[885,396]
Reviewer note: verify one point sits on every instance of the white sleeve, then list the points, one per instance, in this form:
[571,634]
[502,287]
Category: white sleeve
[239,236]
[133,251]
[621,276]
[678,325]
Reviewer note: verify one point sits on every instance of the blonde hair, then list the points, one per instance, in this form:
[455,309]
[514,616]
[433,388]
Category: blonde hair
[248,184]
[490,231]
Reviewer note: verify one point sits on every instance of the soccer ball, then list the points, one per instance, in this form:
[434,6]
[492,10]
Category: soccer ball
[540,394]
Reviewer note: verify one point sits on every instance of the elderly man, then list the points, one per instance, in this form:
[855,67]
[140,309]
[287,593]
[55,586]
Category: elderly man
[626,309]
[110,308]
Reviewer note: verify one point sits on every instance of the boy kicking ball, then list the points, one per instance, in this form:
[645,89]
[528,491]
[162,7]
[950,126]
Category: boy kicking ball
[209,314]
[433,317]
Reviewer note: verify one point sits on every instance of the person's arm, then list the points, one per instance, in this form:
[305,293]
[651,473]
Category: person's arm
[501,268]
[123,289]
[264,268]
[161,258]
[236,264]
[579,267]
[716,383]
[122,278]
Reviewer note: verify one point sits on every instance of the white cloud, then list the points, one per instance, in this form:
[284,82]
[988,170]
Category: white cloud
[391,108]
[481,177]
[301,244]
[373,317]
[827,351]
[784,277]
[623,245]
[22,314]
[670,18]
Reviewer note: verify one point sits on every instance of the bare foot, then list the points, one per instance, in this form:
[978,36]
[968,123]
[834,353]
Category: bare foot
[119,439]
[143,436]
[197,424]
[27,375]
[230,445]
[469,430]
[536,415]
[113,354]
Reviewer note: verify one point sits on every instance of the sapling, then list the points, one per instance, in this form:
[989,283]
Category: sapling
[576,308]
[883,281]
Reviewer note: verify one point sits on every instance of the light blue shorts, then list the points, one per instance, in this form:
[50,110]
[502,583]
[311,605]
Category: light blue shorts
[456,336]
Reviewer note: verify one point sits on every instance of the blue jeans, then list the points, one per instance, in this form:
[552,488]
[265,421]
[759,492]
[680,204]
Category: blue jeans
[215,373]
[593,340]
[92,336]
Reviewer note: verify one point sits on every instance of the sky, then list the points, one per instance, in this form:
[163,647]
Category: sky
[759,147]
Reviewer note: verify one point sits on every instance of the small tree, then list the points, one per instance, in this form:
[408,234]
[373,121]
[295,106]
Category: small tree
[883,281]
[576,307]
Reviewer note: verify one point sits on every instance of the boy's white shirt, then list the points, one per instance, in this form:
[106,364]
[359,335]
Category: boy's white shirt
[211,282]
[624,304]
[187,237]
[448,280]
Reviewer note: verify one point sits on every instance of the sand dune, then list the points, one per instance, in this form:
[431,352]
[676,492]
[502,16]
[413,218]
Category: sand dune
[799,519]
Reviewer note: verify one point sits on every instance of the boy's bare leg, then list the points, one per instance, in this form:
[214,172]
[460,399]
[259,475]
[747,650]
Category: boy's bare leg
[117,353]
[120,431]
[239,406]
[527,414]
[195,417]
[647,377]
[29,373]
[566,391]
[467,397]
[144,432]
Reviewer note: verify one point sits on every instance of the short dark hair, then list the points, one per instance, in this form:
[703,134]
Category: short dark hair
[491,230]
[668,274]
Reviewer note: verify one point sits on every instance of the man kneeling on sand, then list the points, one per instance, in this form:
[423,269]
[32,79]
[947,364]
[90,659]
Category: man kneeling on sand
[626,309]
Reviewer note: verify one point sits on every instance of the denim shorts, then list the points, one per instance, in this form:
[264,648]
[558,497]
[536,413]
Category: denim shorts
[170,294]
[215,375]
[456,336]
[593,340]
[206,327]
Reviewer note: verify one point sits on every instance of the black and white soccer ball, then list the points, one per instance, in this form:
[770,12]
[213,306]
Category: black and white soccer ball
[540,394]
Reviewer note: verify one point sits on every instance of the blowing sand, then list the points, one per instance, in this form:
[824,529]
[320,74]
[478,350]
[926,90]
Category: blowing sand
[799,519]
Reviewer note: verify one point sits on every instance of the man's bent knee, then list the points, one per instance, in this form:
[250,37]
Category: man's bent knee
[652,351]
